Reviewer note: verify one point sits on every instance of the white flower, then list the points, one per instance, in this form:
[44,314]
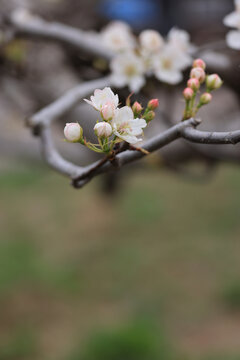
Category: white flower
[233,39]
[73,132]
[128,69]
[126,127]
[117,37]
[233,20]
[103,129]
[103,97]
[169,64]
[180,39]
[151,40]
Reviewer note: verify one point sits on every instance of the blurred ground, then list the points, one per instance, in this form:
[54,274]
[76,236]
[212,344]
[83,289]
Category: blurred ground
[76,261]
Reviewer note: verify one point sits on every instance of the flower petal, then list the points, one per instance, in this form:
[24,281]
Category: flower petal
[233,39]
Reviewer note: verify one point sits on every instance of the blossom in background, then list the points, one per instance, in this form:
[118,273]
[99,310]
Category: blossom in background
[117,37]
[233,20]
[151,41]
[128,69]
[149,55]
[104,97]
[126,127]
[169,64]
[181,40]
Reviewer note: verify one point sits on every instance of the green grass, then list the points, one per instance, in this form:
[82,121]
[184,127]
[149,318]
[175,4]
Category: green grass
[161,248]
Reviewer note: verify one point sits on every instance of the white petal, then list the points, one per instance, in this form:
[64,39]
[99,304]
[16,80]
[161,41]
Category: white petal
[232,20]
[118,80]
[136,83]
[233,39]
[170,77]
[125,114]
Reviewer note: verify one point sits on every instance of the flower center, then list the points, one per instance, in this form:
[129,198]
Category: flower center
[130,70]
[167,64]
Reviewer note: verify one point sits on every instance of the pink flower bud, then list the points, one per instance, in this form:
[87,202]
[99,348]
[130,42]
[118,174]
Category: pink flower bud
[108,111]
[213,82]
[205,98]
[194,84]
[198,73]
[153,104]
[199,63]
[73,132]
[149,116]
[137,108]
[188,93]
[103,129]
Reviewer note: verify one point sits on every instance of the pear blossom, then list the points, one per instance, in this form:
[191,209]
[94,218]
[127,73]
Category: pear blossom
[169,64]
[128,69]
[103,129]
[151,41]
[126,127]
[117,37]
[233,20]
[180,39]
[108,111]
[102,98]
[73,132]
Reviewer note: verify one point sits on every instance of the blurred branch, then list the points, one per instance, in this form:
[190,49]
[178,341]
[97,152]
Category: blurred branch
[66,102]
[37,28]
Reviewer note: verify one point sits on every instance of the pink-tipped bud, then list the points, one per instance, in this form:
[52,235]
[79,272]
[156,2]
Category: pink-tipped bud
[73,132]
[188,93]
[153,104]
[198,73]
[213,82]
[199,63]
[193,84]
[108,111]
[205,98]
[137,108]
[103,129]
[149,116]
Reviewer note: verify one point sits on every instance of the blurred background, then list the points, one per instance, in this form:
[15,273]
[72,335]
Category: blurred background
[142,265]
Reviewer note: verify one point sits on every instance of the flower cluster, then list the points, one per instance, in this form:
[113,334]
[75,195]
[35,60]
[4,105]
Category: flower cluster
[147,55]
[233,20]
[197,78]
[116,125]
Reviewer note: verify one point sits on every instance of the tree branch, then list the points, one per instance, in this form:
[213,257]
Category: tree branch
[206,137]
[66,102]
[36,27]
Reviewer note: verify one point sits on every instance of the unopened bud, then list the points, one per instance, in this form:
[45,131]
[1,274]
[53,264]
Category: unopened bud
[198,73]
[103,129]
[108,111]
[194,84]
[137,108]
[153,104]
[188,93]
[73,132]
[149,116]
[205,98]
[213,82]
[199,63]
